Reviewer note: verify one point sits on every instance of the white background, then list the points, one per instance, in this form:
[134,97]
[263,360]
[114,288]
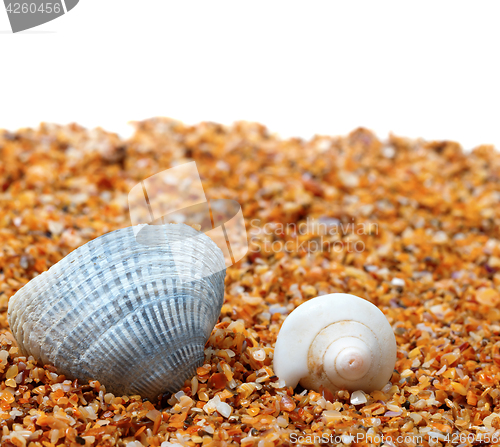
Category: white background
[418,69]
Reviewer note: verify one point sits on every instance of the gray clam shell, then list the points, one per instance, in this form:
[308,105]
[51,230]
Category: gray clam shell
[134,316]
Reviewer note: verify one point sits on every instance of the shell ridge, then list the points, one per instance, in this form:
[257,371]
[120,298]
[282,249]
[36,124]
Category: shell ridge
[47,316]
[108,308]
[175,334]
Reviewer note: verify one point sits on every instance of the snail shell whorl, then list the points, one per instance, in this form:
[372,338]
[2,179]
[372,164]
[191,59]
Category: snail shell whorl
[134,316]
[336,341]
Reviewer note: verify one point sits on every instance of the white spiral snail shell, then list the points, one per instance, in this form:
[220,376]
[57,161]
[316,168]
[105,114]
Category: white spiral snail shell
[133,316]
[336,341]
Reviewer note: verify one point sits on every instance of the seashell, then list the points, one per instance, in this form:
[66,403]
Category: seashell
[133,316]
[336,341]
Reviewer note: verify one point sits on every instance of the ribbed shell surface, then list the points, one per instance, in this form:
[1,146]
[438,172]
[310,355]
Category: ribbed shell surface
[134,316]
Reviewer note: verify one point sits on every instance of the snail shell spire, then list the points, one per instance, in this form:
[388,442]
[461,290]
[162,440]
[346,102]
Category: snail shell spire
[336,341]
[135,316]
